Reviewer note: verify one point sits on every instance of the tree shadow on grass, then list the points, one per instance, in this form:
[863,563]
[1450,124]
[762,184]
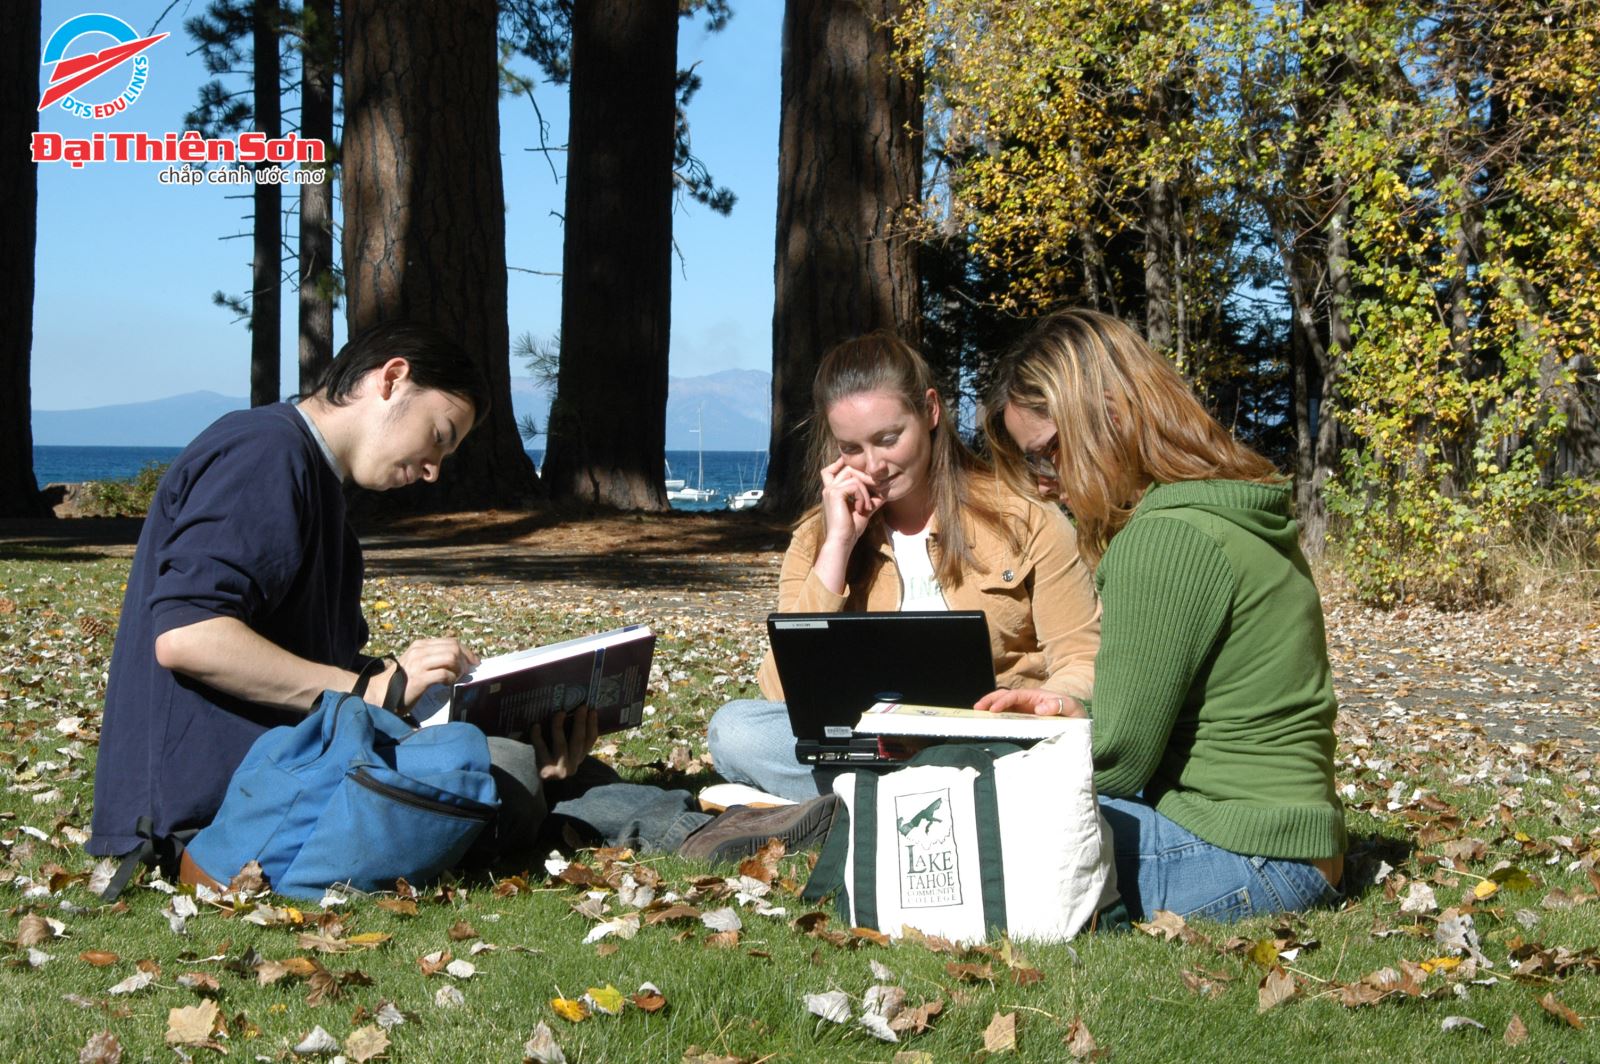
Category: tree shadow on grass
[80,539]
[689,551]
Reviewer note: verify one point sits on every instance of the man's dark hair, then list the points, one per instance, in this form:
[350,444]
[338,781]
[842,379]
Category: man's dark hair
[436,361]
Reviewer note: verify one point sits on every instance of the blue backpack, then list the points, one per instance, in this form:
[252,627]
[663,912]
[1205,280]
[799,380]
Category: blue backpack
[352,794]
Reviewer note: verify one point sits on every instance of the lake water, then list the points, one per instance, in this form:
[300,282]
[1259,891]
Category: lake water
[726,471]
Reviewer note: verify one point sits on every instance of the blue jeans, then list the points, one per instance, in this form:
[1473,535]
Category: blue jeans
[751,742]
[594,802]
[1163,866]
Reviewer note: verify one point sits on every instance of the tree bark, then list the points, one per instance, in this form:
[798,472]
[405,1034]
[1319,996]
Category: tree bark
[424,212]
[19,176]
[316,201]
[266,279]
[848,165]
[607,425]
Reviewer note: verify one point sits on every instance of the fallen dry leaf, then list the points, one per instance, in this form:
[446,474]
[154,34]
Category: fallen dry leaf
[1460,1023]
[135,982]
[203,983]
[917,1020]
[398,906]
[1079,1042]
[649,998]
[723,940]
[101,1048]
[317,1043]
[1277,987]
[1001,1034]
[98,957]
[868,934]
[1516,1031]
[680,911]
[833,1006]
[435,962]
[970,973]
[1551,1004]
[877,1027]
[1165,924]
[192,1025]
[366,1043]
[460,931]
[541,1047]
[725,919]
[250,880]
[32,930]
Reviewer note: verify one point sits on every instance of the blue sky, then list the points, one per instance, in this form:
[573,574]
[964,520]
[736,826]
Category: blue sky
[127,266]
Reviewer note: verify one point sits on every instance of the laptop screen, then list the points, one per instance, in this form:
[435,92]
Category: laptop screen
[835,665]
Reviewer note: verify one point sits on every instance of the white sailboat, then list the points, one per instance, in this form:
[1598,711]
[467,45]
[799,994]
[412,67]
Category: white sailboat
[671,482]
[748,498]
[698,493]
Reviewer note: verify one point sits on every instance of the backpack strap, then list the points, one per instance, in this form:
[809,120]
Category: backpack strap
[394,695]
[162,852]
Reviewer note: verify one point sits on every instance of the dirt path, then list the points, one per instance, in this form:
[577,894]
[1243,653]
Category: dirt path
[1523,676]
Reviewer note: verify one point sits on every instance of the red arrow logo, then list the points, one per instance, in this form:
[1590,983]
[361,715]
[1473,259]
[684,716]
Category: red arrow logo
[72,74]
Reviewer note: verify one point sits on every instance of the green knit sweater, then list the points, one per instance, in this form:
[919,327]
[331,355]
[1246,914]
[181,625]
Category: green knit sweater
[1212,694]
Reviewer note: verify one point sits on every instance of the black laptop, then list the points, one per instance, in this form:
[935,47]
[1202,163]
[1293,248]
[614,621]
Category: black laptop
[834,666]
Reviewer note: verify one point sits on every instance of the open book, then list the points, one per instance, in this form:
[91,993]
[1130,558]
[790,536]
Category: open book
[513,694]
[901,718]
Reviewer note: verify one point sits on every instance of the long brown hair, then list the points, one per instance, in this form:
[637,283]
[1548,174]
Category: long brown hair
[1124,420]
[880,361]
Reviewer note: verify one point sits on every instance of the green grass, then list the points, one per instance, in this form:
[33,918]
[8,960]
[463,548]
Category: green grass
[57,620]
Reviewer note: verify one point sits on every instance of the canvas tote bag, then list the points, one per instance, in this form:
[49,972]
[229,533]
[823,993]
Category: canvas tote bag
[972,841]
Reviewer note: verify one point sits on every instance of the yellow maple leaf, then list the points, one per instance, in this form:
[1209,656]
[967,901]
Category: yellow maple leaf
[608,1000]
[570,1009]
[1486,888]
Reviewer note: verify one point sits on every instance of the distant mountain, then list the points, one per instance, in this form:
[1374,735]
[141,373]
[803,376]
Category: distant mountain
[170,422]
[736,405]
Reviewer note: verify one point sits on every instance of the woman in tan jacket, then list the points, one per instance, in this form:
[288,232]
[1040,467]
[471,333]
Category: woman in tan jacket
[910,519]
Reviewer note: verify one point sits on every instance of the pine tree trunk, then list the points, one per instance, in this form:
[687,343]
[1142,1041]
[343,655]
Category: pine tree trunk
[19,120]
[848,165]
[266,288]
[607,425]
[424,212]
[316,201]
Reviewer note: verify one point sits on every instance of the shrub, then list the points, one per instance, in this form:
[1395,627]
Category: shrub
[124,498]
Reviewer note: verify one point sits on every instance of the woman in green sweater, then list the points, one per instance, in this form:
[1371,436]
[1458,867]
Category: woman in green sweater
[1213,702]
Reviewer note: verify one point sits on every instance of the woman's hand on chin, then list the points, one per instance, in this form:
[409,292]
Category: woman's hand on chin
[1030,700]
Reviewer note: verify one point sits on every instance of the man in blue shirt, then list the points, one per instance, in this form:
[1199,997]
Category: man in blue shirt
[244,600]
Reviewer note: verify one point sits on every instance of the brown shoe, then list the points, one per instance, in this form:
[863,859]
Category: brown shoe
[743,830]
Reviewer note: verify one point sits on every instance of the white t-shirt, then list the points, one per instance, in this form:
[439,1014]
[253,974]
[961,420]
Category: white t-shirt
[919,585]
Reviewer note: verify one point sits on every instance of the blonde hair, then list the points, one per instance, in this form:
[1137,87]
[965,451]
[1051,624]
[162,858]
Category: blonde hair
[1124,420]
[880,361]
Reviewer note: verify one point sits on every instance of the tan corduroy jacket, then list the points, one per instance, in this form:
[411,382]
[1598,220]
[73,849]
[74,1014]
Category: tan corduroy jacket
[1044,619]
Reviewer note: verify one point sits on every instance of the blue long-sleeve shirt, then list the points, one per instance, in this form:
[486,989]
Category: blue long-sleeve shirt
[248,523]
